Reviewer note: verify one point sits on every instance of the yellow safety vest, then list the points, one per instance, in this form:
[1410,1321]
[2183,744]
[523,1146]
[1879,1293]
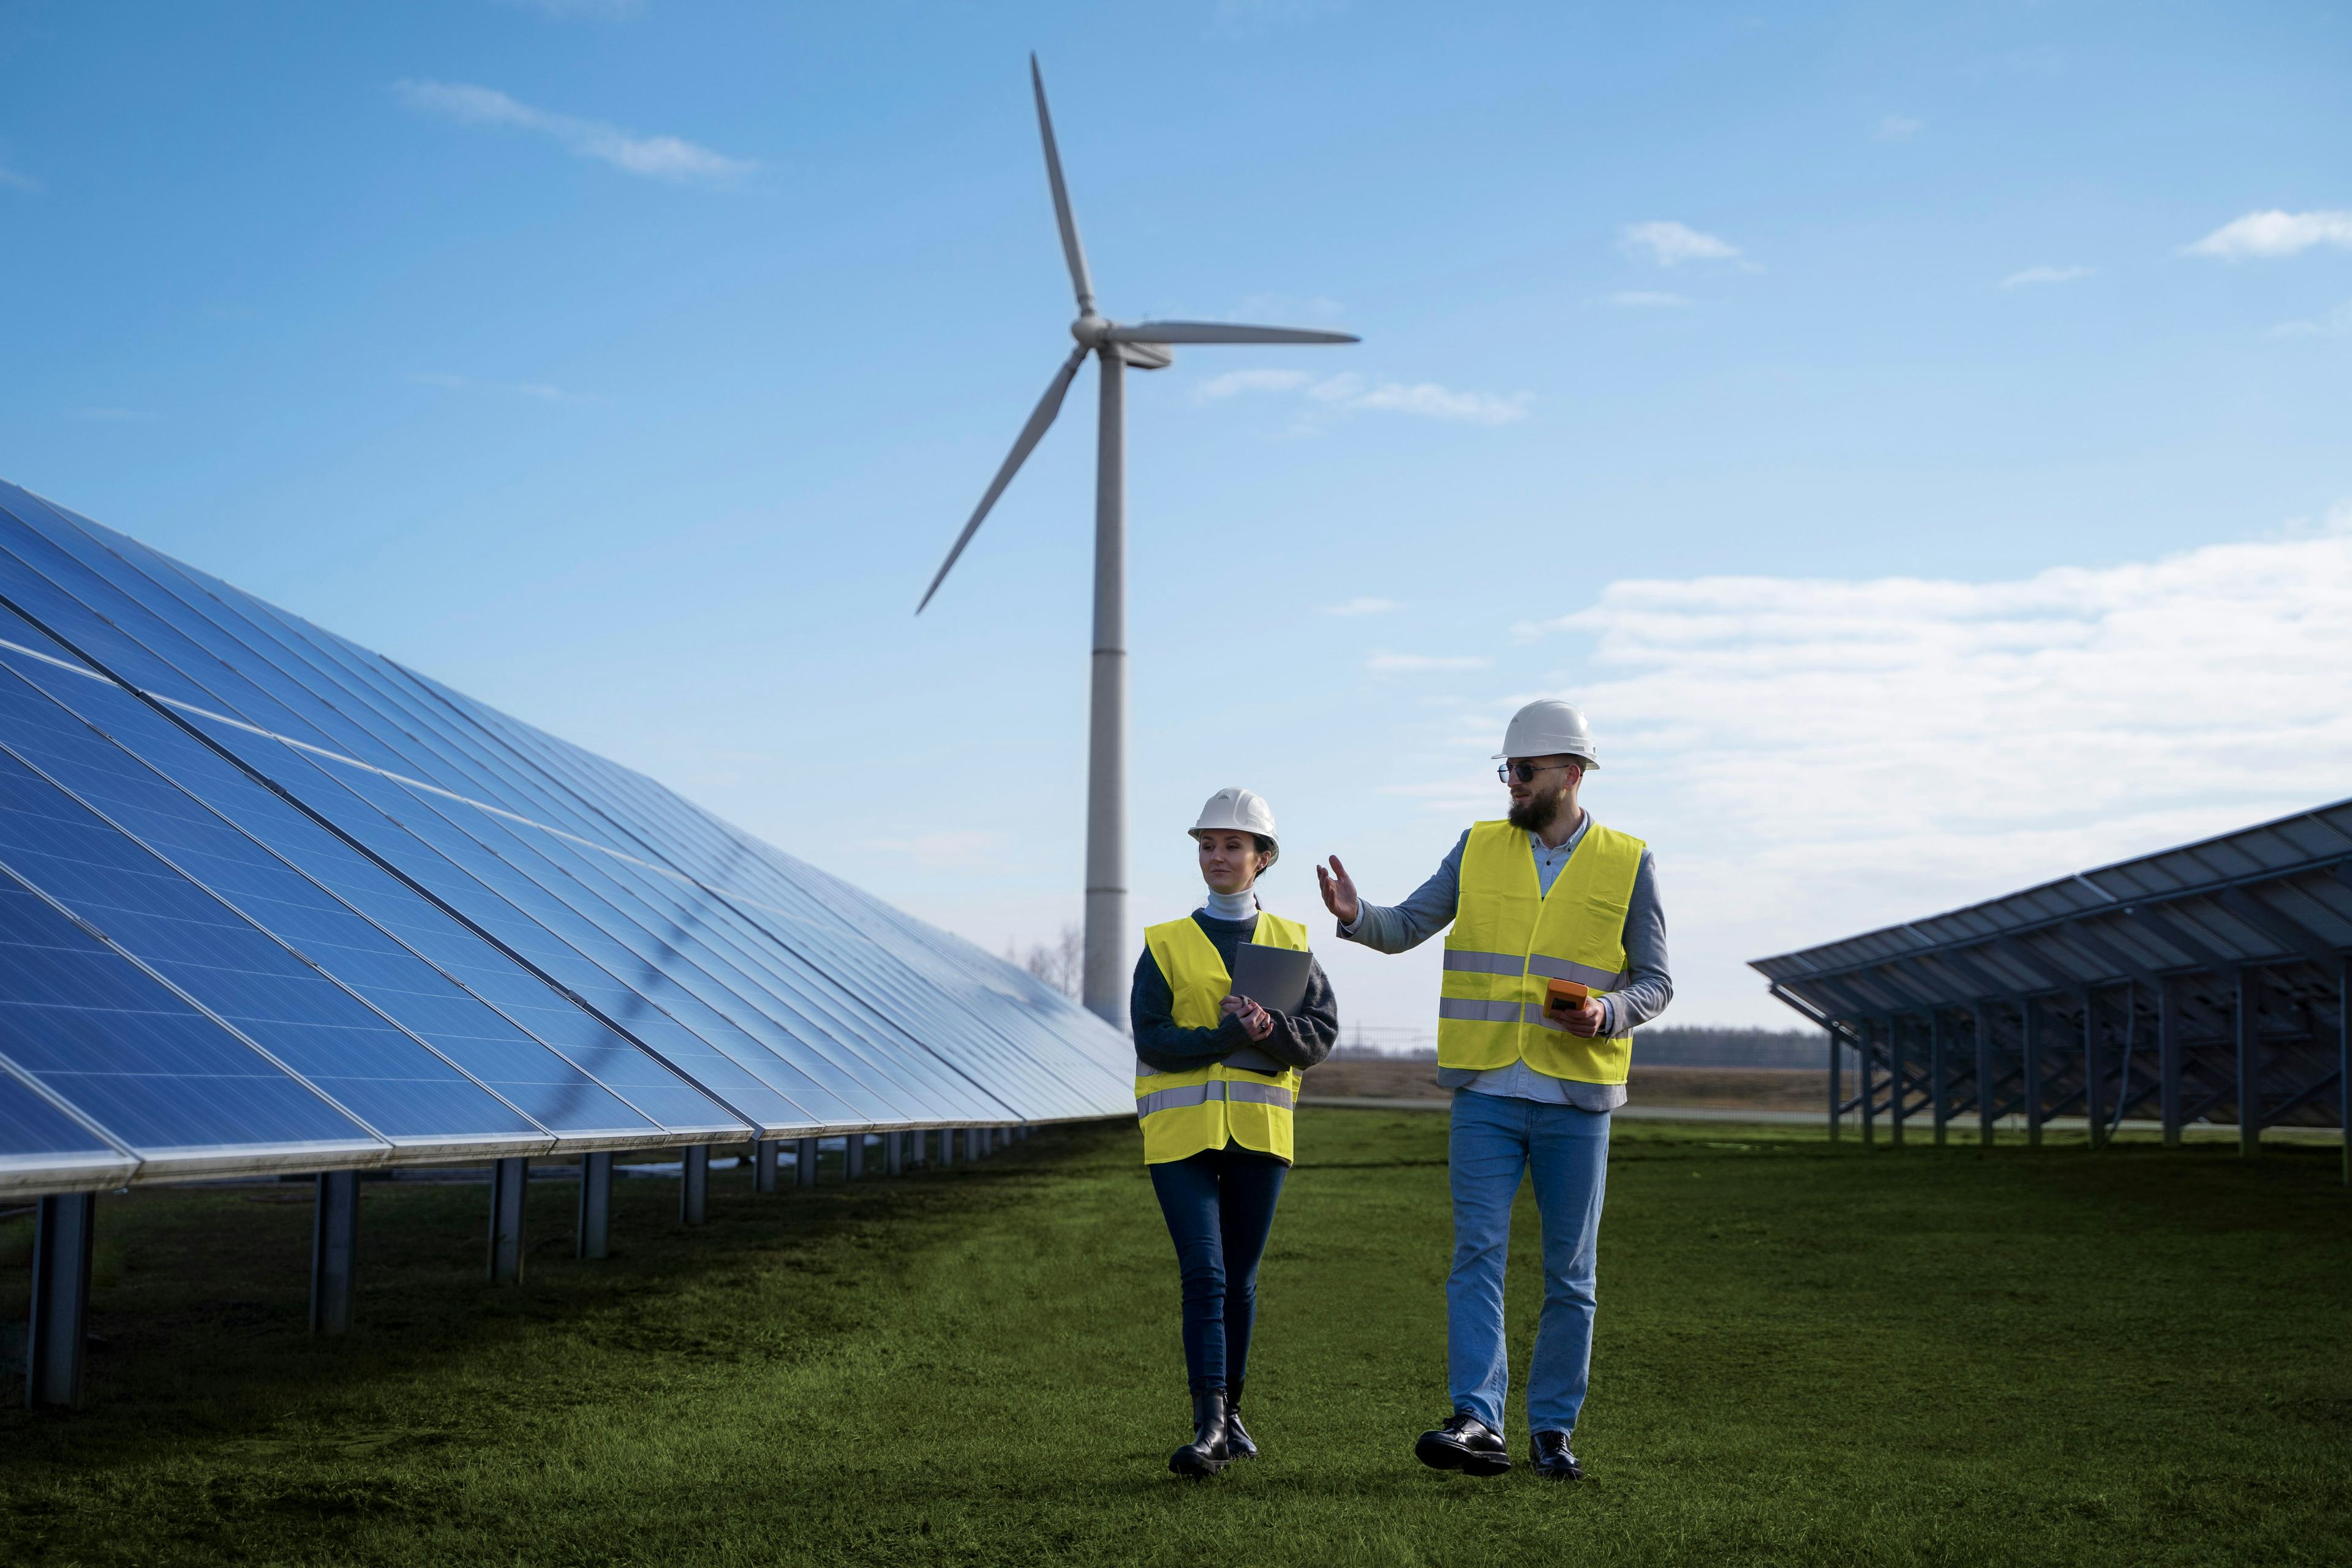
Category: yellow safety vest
[1185,1112]
[1509,938]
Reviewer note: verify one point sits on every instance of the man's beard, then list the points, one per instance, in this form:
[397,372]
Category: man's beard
[1537,812]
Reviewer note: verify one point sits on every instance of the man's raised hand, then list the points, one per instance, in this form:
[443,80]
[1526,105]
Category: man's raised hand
[1338,893]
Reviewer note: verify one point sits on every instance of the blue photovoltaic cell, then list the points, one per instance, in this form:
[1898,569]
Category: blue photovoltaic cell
[305,916]
[90,1027]
[32,1130]
[288,1009]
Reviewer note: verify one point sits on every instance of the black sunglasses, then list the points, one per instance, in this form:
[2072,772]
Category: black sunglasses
[1526,771]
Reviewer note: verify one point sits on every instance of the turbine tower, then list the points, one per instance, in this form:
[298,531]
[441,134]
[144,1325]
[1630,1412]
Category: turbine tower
[1143,345]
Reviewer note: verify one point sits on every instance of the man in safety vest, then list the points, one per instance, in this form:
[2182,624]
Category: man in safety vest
[1558,948]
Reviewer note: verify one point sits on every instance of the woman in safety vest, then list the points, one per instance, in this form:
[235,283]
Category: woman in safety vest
[1215,1078]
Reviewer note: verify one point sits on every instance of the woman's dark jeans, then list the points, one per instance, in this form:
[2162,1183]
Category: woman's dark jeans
[1219,1204]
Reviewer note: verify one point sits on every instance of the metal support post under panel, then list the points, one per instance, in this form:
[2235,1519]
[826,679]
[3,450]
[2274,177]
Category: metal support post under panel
[2344,1060]
[853,1157]
[334,1242]
[804,1163]
[1939,1094]
[2030,1016]
[947,1147]
[2167,1062]
[507,1180]
[2250,1060]
[763,1165]
[593,1238]
[1020,1133]
[1837,1085]
[1981,1021]
[2094,1071]
[64,1226]
[894,1153]
[1897,1067]
[694,1185]
[1863,1033]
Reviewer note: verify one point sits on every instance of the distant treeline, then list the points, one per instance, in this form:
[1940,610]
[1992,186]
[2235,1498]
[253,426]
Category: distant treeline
[1694,1045]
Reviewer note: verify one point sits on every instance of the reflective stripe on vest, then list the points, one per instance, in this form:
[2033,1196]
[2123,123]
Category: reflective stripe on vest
[1264,1092]
[1184,1112]
[1510,938]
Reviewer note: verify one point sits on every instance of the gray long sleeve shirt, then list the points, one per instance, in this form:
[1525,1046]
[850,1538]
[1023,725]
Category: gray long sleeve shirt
[1429,910]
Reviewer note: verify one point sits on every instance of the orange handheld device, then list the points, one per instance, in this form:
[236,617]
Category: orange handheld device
[1562,997]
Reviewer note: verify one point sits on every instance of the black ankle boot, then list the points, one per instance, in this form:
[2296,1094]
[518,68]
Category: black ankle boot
[1237,1441]
[1206,1454]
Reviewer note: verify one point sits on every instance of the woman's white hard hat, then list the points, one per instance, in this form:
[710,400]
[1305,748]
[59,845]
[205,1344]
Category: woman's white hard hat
[1239,810]
[1549,728]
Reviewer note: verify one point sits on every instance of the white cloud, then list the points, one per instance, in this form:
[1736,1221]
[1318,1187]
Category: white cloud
[539,391]
[1396,663]
[655,157]
[2336,323]
[964,851]
[12,181]
[1646,299]
[1362,606]
[1897,128]
[1816,757]
[1671,243]
[2032,275]
[2275,232]
[1350,391]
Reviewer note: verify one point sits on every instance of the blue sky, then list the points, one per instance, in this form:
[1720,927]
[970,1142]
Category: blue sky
[1918,434]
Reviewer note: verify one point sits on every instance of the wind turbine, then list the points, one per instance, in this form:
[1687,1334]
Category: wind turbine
[1143,345]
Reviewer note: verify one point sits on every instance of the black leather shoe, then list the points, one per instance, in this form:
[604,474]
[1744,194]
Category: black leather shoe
[1237,1441]
[1207,1453]
[1467,1444]
[1550,1457]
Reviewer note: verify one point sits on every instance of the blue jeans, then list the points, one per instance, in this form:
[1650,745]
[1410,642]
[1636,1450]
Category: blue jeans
[1495,1141]
[1219,1204]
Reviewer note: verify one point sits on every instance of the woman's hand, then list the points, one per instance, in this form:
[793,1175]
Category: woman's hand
[1255,1021]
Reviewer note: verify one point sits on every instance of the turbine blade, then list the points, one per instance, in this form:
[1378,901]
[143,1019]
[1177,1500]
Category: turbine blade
[1220,333]
[1072,251]
[1040,420]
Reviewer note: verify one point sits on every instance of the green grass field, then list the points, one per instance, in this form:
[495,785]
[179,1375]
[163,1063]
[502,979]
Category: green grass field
[1806,1353]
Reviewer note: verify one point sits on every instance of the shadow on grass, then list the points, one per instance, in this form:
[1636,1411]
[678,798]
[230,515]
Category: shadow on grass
[199,1321]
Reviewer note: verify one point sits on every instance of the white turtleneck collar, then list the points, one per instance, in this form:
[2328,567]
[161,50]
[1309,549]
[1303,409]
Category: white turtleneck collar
[1241,906]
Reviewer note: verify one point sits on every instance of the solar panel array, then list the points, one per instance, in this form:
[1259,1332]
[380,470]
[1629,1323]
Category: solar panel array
[2221,968]
[270,902]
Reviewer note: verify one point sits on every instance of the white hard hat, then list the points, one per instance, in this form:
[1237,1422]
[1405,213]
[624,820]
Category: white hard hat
[1550,728]
[1239,810]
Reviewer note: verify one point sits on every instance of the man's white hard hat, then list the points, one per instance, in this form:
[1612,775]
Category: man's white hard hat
[1550,728]
[1239,809]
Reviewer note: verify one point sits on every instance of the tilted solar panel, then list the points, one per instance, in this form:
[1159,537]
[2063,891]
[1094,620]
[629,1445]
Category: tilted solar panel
[359,917]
